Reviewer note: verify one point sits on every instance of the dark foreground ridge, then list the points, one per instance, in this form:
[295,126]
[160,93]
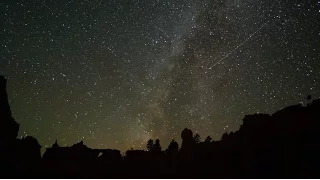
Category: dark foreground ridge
[282,145]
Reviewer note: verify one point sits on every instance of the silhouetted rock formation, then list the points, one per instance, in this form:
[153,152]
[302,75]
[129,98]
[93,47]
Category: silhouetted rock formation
[284,145]
[187,140]
[27,156]
[9,129]
[79,161]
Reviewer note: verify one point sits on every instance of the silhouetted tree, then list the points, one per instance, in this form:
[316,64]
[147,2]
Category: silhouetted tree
[157,147]
[197,138]
[173,147]
[224,136]
[150,145]
[55,145]
[208,139]
[309,97]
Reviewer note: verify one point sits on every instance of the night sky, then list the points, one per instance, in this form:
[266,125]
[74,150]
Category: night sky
[115,73]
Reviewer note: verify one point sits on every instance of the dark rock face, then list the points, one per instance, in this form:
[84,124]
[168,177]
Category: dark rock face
[16,155]
[9,128]
[187,139]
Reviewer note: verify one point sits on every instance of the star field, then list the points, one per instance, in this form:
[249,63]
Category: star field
[117,73]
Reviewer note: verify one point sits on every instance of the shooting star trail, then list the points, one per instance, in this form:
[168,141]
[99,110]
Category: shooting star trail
[238,46]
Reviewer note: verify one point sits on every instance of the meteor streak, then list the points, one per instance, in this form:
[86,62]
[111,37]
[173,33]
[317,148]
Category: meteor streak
[238,46]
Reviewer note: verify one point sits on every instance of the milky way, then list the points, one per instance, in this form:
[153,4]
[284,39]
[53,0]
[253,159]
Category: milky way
[117,73]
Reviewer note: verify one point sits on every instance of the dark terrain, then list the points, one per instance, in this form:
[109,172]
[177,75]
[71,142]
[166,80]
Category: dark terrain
[282,145]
